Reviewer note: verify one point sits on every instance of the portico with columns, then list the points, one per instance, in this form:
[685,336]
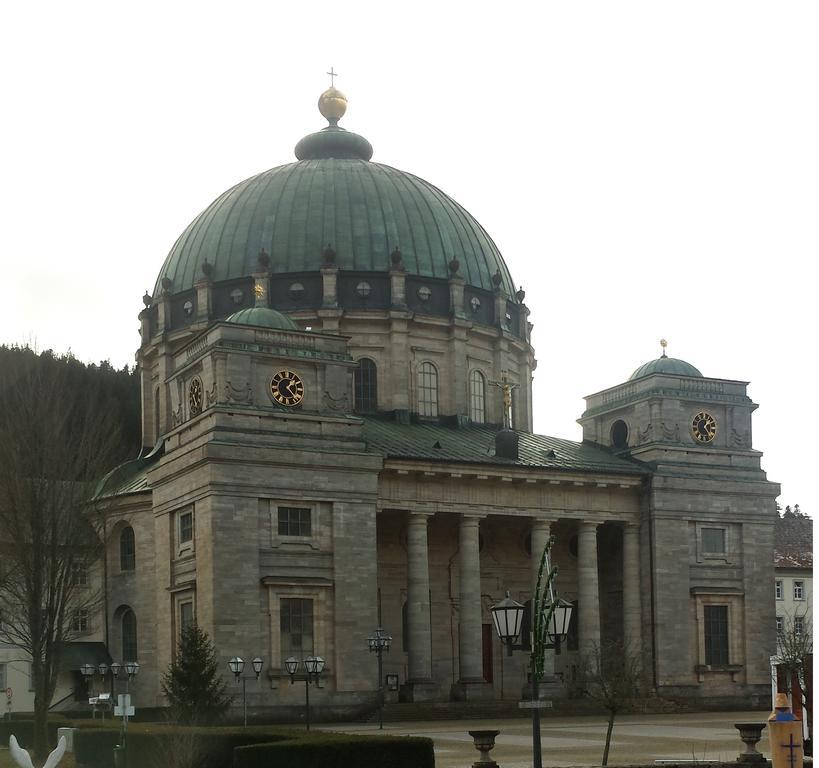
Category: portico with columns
[442,565]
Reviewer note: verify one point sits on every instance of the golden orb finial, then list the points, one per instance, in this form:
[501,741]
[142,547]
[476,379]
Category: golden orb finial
[663,344]
[332,104]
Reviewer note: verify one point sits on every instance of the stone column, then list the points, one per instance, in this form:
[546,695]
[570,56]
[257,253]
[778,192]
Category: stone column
[587,588]
[632,630]
[420,685]
[470,641]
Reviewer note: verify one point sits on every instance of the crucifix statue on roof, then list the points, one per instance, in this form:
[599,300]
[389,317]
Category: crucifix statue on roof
[333,76]
[506,388]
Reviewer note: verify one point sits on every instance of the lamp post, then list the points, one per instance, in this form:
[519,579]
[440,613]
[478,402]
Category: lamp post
[379,641]
[313,667]
[237,665]
[132,670]
[550,621]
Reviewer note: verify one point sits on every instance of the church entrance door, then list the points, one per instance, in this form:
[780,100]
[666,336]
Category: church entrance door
[486,636]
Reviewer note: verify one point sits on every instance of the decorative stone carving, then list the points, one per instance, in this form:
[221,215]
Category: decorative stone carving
[210,396]
[397,259]
[644,435]
[497,279]
[178,416]
[739,439]
[454,266]
[147,300]
[264,260]
[207,268]
[239,394]
[167,284]
[341,403]
[328,256]
[671,433]
[520,295]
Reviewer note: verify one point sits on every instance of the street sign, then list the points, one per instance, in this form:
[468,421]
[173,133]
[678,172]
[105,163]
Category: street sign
[534,705]
[124,708]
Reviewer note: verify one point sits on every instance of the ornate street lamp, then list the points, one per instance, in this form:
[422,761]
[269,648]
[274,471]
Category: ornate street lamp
[378,642]
[550,619]
[237,665]
[313,667]
[507,617]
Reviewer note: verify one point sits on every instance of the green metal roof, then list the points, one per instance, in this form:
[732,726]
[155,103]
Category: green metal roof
[262,316]
[670,365]
[363,209]
[129,477]
[476,445]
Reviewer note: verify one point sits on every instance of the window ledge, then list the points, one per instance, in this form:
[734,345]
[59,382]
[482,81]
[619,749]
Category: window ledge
[705,669]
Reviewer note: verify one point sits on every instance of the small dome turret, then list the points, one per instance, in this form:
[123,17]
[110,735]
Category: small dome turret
[263,317]
[665,364]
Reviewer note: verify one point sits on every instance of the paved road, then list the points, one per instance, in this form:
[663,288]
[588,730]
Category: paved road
[571,741]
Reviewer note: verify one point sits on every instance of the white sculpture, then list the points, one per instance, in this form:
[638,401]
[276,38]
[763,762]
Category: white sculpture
[23,759]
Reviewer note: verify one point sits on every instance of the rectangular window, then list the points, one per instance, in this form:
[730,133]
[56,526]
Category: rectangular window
[780,592]
[798,590]
[716,634]
[780,625]
[79,574]
[296,625]
[186,527]
[713,541]
[2,677]
[79,621]
[798,626]
[294,521]
[185,615]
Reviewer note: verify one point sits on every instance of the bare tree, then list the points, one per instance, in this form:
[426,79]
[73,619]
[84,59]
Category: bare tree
[794,651]
[611,676]
[58,434]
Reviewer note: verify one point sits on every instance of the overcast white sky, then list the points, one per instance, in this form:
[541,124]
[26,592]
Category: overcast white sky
[648,169]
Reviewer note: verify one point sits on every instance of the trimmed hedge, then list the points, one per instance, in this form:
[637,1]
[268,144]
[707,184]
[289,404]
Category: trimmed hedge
[153,746]
[339,751]
[23,731]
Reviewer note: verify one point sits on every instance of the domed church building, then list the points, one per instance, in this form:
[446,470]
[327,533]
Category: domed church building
[336,374]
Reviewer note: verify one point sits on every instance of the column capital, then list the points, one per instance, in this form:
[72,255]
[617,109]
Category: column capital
[473,517]
[417,516]
[587,524]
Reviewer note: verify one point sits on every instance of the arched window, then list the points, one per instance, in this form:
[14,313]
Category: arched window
[427,390]
[127,550]
[477,397]
[129,636]
[366,386]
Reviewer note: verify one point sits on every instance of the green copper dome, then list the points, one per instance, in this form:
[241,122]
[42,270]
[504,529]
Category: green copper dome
[333,195]
[263,317]
[669,365]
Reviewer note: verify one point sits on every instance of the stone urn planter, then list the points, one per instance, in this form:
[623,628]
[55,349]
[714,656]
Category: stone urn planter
[484,742]
[750,733]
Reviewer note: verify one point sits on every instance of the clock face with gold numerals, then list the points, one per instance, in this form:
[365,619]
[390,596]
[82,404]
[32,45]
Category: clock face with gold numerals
[286,388]
[195,397]
[704,427]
